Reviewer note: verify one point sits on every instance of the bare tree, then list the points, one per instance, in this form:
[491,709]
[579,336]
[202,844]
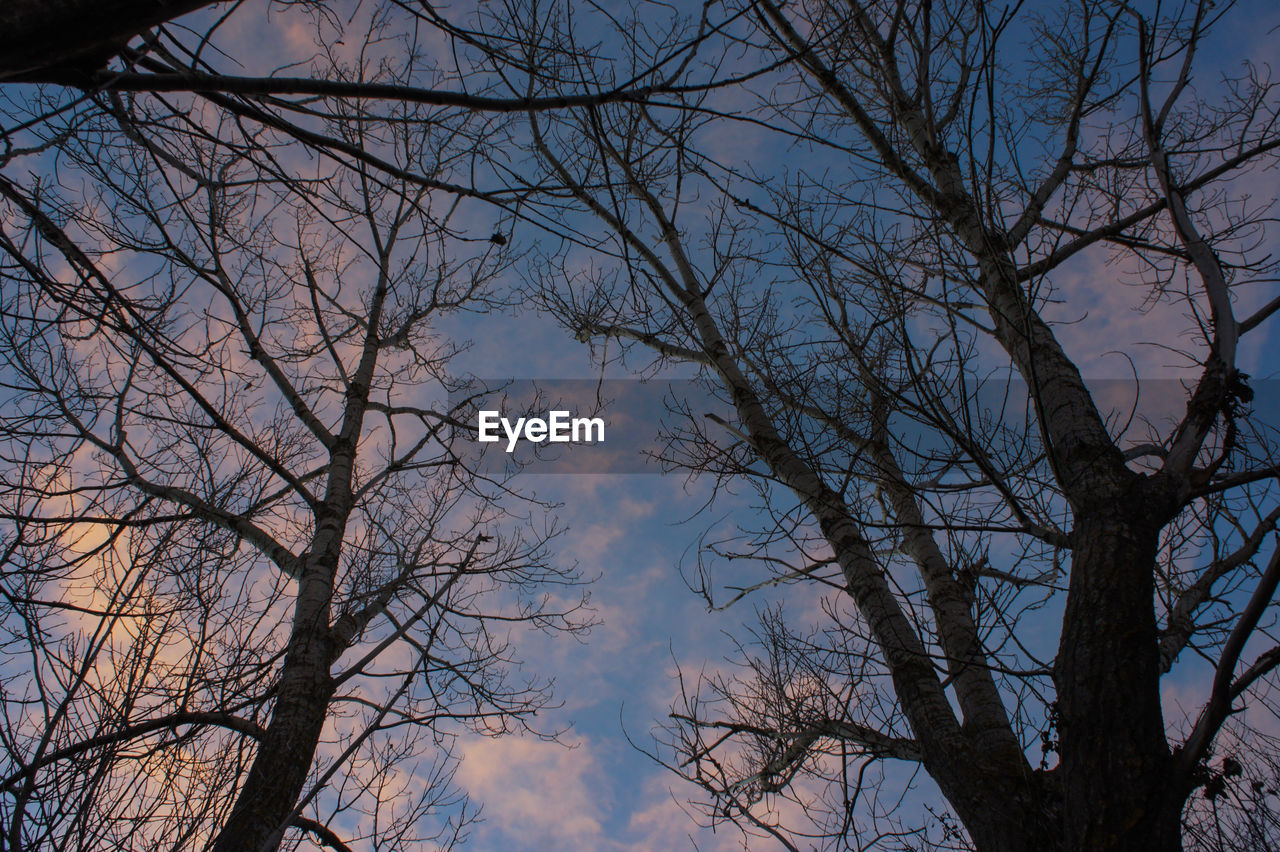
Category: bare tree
[862,316]
[1020,566]
[252,576]
[73,52]
[252,590]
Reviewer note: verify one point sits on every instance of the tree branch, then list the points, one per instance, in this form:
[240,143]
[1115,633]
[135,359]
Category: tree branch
[219,719]
[1218,707]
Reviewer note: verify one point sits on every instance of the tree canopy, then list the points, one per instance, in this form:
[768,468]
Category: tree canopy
[871,229]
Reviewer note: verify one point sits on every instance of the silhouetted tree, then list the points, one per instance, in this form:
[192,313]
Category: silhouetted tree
[250,583]
[1020,566]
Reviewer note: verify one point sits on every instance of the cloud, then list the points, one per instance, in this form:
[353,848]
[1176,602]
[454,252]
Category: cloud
[664,822]
[539,794]
[542,795]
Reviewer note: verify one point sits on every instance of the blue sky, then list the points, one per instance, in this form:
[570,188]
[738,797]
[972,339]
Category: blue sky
[634,531]
[636,535]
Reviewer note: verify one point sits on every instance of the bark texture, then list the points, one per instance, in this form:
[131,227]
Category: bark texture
[280,767]
[65,40]
[1115,763]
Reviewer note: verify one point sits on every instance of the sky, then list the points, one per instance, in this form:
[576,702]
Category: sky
[604,793]
[593,787]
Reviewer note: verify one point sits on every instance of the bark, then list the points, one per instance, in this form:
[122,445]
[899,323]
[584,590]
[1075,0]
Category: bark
[985,721]
[1010,813]
[65,40]
[1004,805]
[284,756]
[1115,787]
[266,800]
[1115,763]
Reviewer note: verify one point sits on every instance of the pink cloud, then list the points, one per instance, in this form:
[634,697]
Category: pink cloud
[536,789]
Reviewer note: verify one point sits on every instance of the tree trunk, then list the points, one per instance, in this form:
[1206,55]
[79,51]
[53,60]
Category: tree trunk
[285,753]
[1115,763]
[1112,788]
[1006,811]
